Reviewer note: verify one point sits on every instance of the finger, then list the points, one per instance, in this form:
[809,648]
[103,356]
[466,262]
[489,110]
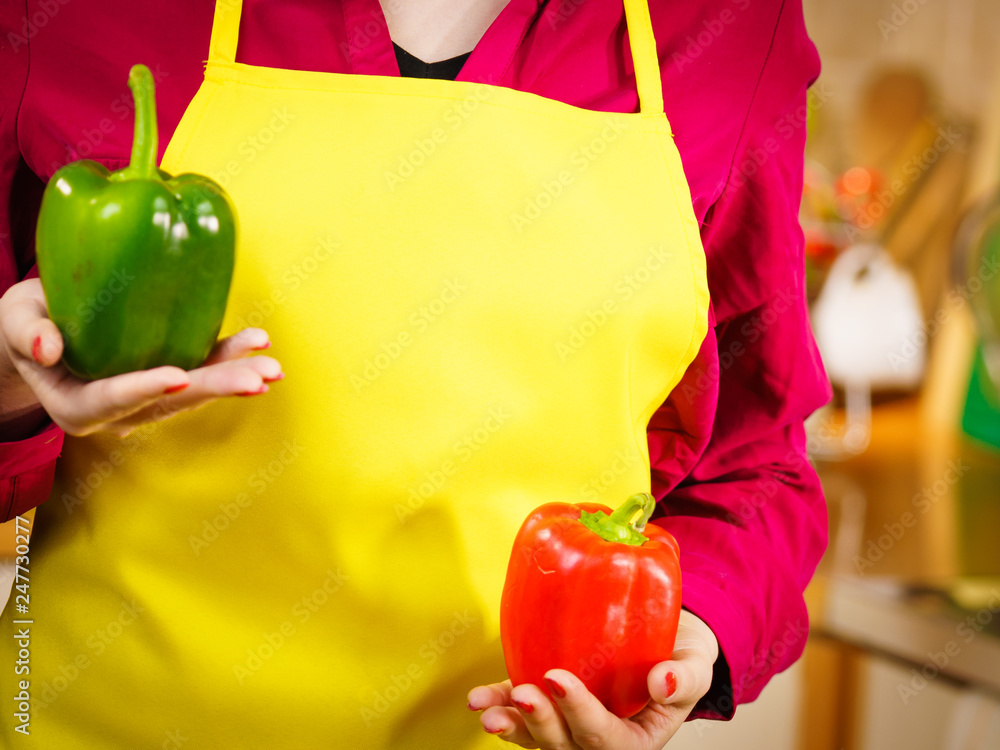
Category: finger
[241,377]
[238,345]
[506,723]
[484,696]
[675,686]
[235,377]
[112,398]
[30,334]
[687,676]
[590,724]
[542,720]
[81,407]
[191,390]
[681,682]
[45,383]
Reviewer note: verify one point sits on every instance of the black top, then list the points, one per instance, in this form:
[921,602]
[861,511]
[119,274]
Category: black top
[414,67]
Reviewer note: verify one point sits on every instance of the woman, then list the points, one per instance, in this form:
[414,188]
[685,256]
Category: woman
[486,293]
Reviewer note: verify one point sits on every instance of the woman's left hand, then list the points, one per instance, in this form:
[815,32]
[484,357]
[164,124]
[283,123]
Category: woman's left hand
[527,717]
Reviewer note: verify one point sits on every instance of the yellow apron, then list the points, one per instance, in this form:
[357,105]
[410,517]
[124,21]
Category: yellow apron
[479,297]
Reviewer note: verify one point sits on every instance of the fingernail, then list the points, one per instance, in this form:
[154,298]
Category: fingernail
[279,376]
[176,388]
[472,708]
[526,707]
[555,688]
[265,346]
[262,389]
[36,349]
[671,683]
[492,731]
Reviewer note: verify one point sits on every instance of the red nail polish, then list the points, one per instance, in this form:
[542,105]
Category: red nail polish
[492,731]
[671,684]
[526,707]
[279,376]
[262,389]
[472,708]
[36,349]
[176,388]
[555,688]
[259,348]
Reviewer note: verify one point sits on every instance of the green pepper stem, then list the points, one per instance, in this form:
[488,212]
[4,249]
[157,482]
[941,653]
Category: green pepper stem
[146,139]
[619,526]
[641,501]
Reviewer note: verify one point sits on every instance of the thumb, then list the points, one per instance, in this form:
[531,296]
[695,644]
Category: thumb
[686,677]
[28,331]
[45,342]
[680,682]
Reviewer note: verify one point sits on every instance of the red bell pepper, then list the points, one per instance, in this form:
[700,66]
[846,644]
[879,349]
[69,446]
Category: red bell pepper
[592,592]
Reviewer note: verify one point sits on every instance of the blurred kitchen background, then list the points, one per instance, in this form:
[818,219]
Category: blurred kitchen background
[901,212]
[902,220]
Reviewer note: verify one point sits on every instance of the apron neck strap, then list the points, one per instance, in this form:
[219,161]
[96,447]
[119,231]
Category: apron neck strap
[226,32]
[644,59]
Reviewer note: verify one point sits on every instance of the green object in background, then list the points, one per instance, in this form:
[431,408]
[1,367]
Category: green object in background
[135,264]
[981,417]
[979,240]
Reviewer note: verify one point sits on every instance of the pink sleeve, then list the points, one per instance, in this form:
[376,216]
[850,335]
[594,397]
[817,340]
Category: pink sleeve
[728,447]
[27,467]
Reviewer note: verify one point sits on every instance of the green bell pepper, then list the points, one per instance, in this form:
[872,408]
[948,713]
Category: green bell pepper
[135,264]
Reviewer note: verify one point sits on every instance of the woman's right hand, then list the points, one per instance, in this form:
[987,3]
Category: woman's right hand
[31,348]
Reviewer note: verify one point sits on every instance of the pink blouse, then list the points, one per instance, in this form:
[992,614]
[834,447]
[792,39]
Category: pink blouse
[728,447]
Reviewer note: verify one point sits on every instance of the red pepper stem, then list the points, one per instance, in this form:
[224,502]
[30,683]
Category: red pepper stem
[146,139]
[619,527]
[641,501]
